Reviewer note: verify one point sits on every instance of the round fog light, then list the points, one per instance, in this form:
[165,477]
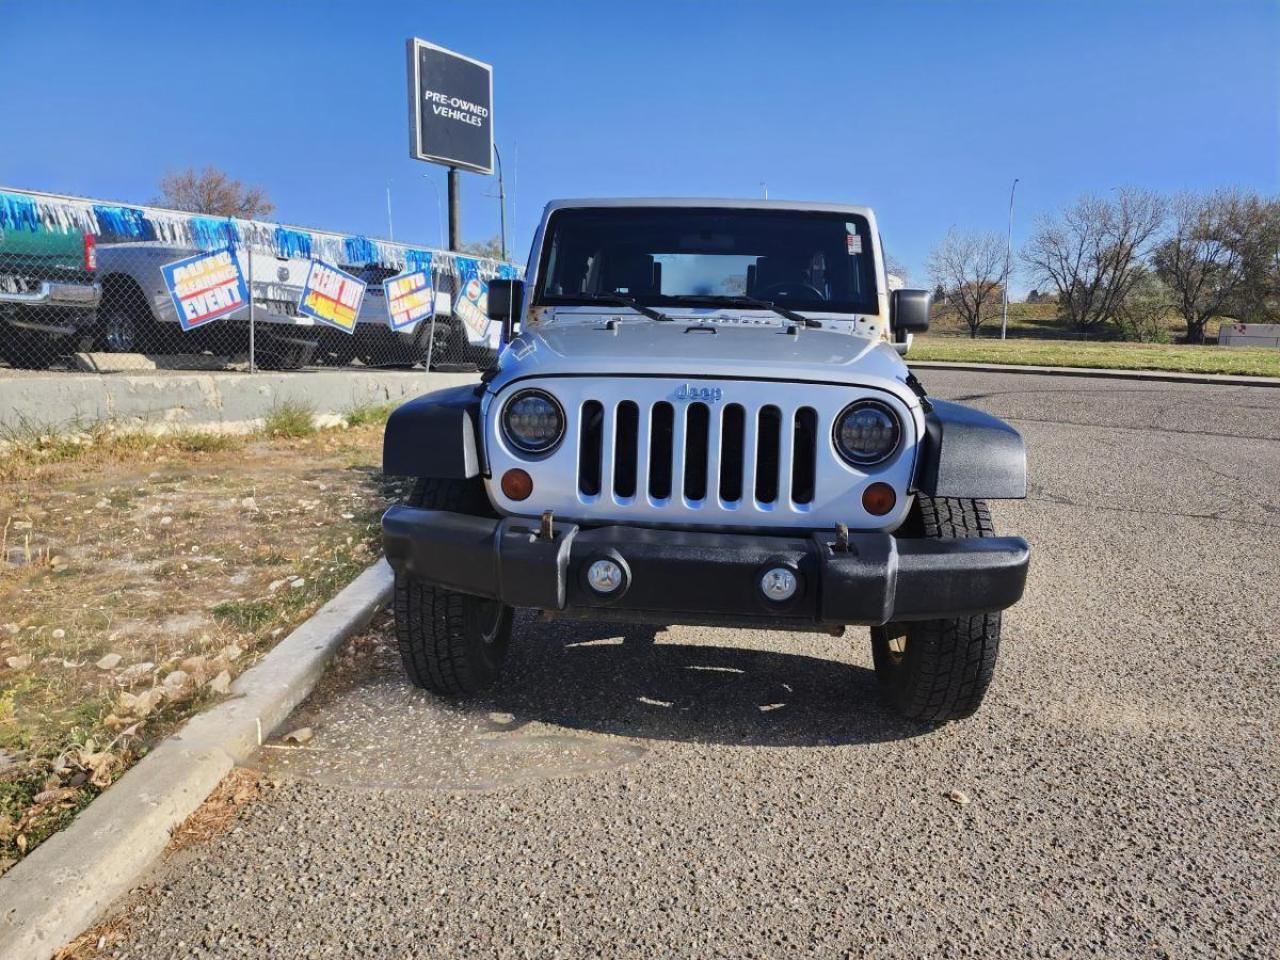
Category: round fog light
[779,584]
[517,484]
[604,576]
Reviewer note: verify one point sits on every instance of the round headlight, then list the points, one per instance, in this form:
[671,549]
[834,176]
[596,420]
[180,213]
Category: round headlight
[533,421]
[867,432]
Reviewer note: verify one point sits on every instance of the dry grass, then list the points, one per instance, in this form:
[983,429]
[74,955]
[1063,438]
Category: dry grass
[137,580]
[212,818]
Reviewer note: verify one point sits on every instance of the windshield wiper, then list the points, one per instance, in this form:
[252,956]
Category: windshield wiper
[619,299]
[739,301]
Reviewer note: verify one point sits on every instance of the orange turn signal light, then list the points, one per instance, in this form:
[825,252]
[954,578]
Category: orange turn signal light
[517,485]
[878,499]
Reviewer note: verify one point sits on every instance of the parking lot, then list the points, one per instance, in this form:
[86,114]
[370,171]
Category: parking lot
[705,792]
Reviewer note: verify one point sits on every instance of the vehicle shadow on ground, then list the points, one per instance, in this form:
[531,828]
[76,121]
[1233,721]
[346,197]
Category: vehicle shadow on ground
[615,679]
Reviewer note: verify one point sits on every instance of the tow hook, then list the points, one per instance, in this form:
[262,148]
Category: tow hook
[842,539]
[547,531]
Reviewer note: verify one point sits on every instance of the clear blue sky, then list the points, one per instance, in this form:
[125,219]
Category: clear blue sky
[925,111]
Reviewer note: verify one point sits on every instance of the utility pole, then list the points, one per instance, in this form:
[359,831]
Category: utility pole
[391,230]
[1008,258]
[502,203]
[455,226]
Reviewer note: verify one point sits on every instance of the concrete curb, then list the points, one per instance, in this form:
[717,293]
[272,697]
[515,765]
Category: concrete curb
[1160,376]
[63,887]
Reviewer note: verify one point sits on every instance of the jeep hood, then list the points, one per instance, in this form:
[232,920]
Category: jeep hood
[682,349]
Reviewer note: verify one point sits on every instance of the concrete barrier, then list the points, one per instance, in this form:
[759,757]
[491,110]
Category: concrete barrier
[165,401]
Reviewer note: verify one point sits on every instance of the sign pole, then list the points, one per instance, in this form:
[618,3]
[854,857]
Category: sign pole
[455,238]
[253,367]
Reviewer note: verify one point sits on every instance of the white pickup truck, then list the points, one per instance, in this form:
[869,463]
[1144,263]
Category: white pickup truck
[137,313]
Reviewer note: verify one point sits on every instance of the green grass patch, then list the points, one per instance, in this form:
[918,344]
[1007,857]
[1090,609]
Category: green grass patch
[247,616]
[290,419]
[1239,361]
[368,414]
[200,441]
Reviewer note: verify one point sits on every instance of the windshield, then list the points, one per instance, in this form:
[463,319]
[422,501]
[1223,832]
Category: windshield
[798,259]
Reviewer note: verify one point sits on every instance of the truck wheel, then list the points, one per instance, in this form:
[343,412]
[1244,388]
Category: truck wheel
[451,643]
[125,322]
[939,670]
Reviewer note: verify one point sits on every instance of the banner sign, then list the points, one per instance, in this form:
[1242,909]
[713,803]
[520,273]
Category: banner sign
[410,298]
[205,287]
[471,303]
[331,296]
[450,107]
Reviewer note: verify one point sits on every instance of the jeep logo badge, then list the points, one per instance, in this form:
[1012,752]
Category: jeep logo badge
[690,393]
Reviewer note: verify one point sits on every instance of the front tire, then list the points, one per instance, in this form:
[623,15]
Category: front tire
[933,671]
[450,643]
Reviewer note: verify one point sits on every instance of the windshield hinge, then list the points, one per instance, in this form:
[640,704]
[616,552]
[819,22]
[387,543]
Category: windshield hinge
[917,388]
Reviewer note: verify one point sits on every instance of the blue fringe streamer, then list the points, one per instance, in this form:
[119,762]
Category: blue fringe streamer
[213,234]
[293,243]
[123,223]
[18,213]
[359,250]
[417,260]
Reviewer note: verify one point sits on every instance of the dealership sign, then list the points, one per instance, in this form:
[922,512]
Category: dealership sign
[450,107]
[410,298]
[205,287]
[331,296]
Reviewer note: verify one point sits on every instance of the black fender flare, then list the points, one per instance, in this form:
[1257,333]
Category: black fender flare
[971,454]
[436,435]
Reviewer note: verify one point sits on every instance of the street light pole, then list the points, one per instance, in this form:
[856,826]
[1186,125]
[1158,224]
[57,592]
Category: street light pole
[502,203]
[391,230]
[1008,257]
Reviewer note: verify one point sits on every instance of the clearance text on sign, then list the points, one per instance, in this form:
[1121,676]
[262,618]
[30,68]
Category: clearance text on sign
[332,296]
[410,298]
[205,287]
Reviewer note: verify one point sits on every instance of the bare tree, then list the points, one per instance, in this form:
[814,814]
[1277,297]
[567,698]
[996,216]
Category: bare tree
[894,266]
[490,249]
[1203,259]
[1091,253]
[968,267]
[214,192]
[1258,299]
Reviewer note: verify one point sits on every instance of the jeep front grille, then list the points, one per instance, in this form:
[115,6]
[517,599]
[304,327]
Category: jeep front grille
[696,449]
[635,452]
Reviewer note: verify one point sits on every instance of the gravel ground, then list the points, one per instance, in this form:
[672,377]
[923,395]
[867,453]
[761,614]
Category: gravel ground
[696,792]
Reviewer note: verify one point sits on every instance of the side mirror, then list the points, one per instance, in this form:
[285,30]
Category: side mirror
[909,311]
[505,300]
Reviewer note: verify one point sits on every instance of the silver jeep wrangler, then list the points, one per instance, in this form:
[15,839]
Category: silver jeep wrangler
[701,416]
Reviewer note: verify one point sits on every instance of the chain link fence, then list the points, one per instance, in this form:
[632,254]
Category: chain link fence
[81,280]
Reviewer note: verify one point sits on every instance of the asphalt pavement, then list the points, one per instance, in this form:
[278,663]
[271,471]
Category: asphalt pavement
[693,792]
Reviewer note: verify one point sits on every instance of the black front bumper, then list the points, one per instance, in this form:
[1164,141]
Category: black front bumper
[677,576]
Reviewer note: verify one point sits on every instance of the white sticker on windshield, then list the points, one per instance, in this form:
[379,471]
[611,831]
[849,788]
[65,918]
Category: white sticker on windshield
[852,239]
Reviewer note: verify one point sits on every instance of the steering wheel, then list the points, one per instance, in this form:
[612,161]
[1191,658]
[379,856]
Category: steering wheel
[789,290]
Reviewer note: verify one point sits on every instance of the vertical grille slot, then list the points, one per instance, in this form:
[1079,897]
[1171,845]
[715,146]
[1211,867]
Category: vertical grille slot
[660,451]
[731,453]
[768,442]
[624,469]
[805,458]
[590,444]
[695,451]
